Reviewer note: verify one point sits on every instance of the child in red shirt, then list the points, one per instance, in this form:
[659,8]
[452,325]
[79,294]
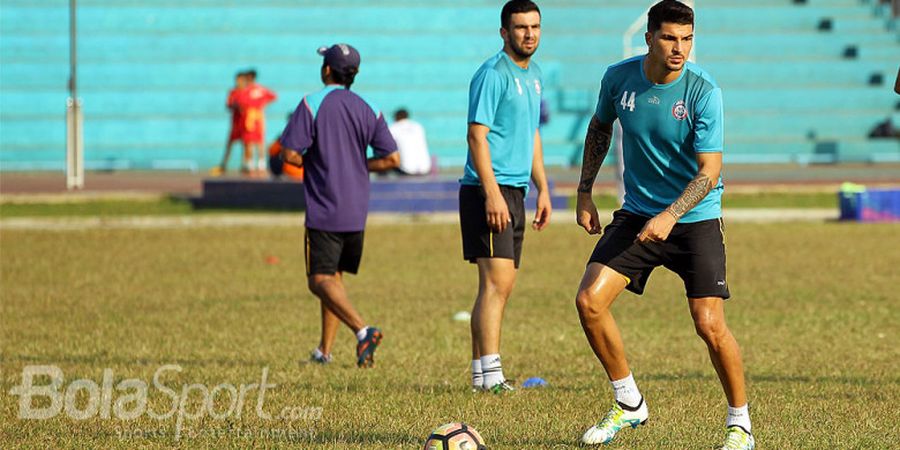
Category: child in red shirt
[237,120]
[253,101]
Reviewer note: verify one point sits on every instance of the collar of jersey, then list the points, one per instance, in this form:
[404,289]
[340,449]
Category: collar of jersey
[513,63]
[660,86]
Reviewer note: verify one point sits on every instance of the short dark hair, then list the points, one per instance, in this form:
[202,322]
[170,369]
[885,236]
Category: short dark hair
[669,11]
[401,114]
[516,7]
[251,73]
[343,77]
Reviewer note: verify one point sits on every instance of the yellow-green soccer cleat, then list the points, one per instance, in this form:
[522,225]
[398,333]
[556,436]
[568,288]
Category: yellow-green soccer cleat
[501,387]
[618,417]
[737,438]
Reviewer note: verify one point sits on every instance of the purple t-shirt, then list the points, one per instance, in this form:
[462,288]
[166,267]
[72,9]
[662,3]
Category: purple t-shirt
[332,129]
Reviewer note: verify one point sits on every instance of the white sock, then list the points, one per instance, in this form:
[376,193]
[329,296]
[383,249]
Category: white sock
[627,391]
[361,334]
[318,353]
[477,376]
[492,370]
[738,416]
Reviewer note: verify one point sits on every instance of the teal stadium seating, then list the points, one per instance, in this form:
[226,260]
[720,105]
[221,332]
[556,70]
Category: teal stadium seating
[153,74]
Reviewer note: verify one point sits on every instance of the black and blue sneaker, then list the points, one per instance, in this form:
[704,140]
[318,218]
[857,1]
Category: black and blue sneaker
[365,349]
[317,357]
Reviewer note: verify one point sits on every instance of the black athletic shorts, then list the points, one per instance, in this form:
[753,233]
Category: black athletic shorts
[479,241]
[694,251]
[328,252]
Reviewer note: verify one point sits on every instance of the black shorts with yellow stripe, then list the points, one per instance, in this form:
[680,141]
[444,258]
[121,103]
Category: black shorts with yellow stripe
[329,252]
[695,251]
[477,238]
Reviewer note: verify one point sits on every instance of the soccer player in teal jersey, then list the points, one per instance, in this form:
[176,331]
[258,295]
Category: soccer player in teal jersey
[504,153]
[672,122]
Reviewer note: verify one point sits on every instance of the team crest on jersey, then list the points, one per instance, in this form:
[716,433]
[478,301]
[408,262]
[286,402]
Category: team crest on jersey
[679,111]
[537,87]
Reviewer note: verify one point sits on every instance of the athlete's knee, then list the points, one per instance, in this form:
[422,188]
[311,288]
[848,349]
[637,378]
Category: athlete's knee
[496,288]
[497,291]
[589,305]
[316,282]
[711,328]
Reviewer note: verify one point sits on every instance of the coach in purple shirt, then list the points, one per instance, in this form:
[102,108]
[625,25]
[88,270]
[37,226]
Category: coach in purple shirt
[328,135]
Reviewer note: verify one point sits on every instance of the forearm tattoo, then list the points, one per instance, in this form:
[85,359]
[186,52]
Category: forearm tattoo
[695,191]
[596,146]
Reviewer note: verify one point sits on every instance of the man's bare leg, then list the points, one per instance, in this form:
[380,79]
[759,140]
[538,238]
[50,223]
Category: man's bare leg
[496,278]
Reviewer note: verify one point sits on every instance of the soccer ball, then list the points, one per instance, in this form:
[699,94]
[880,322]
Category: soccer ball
[454,436]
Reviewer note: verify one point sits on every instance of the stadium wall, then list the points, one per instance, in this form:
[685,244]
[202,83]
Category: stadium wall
[803,82]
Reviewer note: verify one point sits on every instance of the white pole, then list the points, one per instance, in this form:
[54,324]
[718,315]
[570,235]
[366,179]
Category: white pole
[74,119]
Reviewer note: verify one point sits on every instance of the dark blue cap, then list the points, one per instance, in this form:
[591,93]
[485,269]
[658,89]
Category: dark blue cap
[341,57]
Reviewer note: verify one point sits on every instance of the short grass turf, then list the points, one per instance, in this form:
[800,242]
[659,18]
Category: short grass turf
[168,206]
[815,308]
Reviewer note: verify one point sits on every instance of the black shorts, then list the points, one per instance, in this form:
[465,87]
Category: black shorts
[479,241]
[329,252]
[694,251]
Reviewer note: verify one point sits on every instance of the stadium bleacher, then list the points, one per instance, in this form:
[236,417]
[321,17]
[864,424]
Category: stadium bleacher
[804,81]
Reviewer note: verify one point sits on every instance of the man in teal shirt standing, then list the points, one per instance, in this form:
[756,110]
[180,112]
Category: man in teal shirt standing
[672,122]
[504,153]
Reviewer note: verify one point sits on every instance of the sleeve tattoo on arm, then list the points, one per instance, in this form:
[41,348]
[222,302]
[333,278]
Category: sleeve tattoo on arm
[695,191]
[596,146]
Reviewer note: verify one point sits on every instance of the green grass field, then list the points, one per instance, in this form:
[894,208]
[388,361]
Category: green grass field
[176,206]
[815,308]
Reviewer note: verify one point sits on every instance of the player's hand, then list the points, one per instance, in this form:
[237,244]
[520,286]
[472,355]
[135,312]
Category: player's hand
[656,229]
[586,213]
[291,157]
[542,215]
[497,213]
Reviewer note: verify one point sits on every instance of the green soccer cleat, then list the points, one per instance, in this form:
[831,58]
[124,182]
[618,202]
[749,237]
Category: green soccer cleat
[618,417]
[737,438]
[365,349]
[500,388]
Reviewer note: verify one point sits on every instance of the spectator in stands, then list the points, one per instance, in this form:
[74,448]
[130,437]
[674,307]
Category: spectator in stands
[545,112]
[887,128]
[895,10]
[328,135]
[237,121]
[253,101]
[413,147]
[897,82]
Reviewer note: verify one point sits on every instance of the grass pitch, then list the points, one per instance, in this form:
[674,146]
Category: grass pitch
[167,206]
[815,308]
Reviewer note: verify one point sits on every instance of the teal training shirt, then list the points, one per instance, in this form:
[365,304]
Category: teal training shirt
[665,126]
[507,99]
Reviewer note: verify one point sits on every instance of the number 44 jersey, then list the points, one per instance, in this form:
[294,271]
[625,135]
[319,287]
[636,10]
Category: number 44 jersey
[664,127]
